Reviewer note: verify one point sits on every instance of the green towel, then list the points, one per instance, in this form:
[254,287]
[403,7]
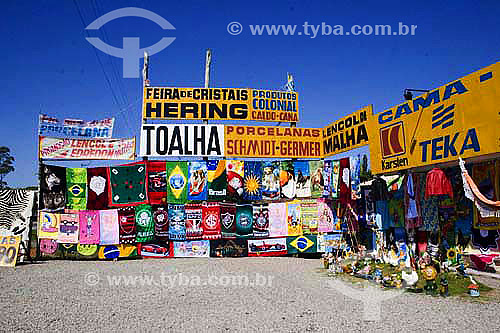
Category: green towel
[76,180]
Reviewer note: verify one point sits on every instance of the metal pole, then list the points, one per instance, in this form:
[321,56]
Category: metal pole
[208,62]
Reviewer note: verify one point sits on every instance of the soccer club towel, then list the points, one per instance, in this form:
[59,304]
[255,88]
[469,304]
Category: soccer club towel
[128,185]
[325,215]
[177,222]
[160,218]
[97,190]
[144,223]
[317,182]
[49,225]
[335,179]
[302,179]
[109,228]
[252,189]
[157,182]
[271,180]
[345,182]
[278,226]
[89,227]
[197,185]
[235,172]
[261,221]
[68,228]
[76,180]
[194,219]
[217,180]
[228,220]
[327,179]
[211,220]
[309,216]
[287,180]
[355,166]
[177,173]
[244,220]
[126,220]
[53,188]
[293,215]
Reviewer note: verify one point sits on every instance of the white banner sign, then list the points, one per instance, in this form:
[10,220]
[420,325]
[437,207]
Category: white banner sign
[182,140]
[75,128]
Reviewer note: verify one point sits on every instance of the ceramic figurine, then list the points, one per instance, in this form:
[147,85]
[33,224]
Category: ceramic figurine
[443,291]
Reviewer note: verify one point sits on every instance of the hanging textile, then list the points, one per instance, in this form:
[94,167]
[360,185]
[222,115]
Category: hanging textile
[302,244]
[76,182]
[108,227]
[327,179]
[177,173]
[48,226]
[355,166]
[397,213]
[194,219]
[53,188]
[325,215]
[335,179]
[345,181]
[382,217]
[252,187]
[228,220]
[277,219]
[235,172]
[128,185]
[287,180]
[261,221]
[302,179]
[69,228]
[430,214]
[309,214]
[198,184]
[370,215]
[485,239]
[379,189]
[293,218]
[317,181]
[437,184]
[144,223]
[270,180]
[211,220]
[244,220]
[217,180]
[157,182]
[126,220]
[465,208]
[413,214]
[160,220]
[176,222]
[97,185]
[267,247]
[228,248]
[89,227]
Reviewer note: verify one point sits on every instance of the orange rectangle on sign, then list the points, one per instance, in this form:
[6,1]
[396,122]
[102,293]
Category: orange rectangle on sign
[268,141]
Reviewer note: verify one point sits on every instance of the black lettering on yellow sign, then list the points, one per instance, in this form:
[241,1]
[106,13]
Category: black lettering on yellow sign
[169,110]
[347,133]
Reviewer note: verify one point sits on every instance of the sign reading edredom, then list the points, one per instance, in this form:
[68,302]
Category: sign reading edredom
[220,104]
[182,140]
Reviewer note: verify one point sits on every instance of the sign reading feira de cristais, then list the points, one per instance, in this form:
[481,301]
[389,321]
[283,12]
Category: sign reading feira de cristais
[347,133]
[272,141]
[458,119]
[220,104]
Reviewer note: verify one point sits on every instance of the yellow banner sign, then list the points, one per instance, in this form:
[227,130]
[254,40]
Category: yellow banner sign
[267,141]
[220,104]
[459,119]
[347,133]
[9,248]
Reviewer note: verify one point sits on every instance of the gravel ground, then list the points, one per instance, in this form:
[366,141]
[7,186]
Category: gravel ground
[56,295]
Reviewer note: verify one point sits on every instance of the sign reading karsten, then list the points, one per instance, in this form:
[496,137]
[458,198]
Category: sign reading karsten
[347,133]
[458,119]
[182,140]
[220,104]
[266,141]
[92,149]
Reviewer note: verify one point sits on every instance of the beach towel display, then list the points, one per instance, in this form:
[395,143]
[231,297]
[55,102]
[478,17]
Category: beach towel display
[228,220]
[293,218]
[228,248]
[278,225]
[117,251]
[176,222]
[53,188]
[156,250]
[335,179]
[252,187]
[97,188]
[177,182]
[157,182]
[127,185]
[211,220]
[160,219]
[126,221]
[194,248]
[345,182]
[197,183]
[355,166]
[69,228]
[144,223]
[267,247]
[217,180]
[287,180]
[48,227]
[309,210]
[89,227]
[326,215]
[302,244]
[270,180]
[244,220]
[302,179]
[261,221]
[235,173]
[327,179]
[76,182]
[317,180]
[194,219]
[108,227]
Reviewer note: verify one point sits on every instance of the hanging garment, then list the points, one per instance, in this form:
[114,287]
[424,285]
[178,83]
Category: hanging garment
[127,185]
[369,203]
[198,183]
[53,188]
[194,220]
[379,189]
[228,220]
[76,182]
[287,180]
[317,180]
[430,214]
[413,218]
[211,220]
[217,180]
[97,185]
[160,219]
[157,182]
[144,223]
[126,220]
[437,184]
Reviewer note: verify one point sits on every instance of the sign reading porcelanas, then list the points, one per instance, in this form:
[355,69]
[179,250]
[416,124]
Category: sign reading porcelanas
[458,119]
[220,104]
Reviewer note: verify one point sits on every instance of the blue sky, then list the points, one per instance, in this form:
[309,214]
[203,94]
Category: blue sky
[49,67]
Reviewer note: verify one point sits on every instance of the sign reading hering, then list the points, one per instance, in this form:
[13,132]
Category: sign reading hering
[220,104]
